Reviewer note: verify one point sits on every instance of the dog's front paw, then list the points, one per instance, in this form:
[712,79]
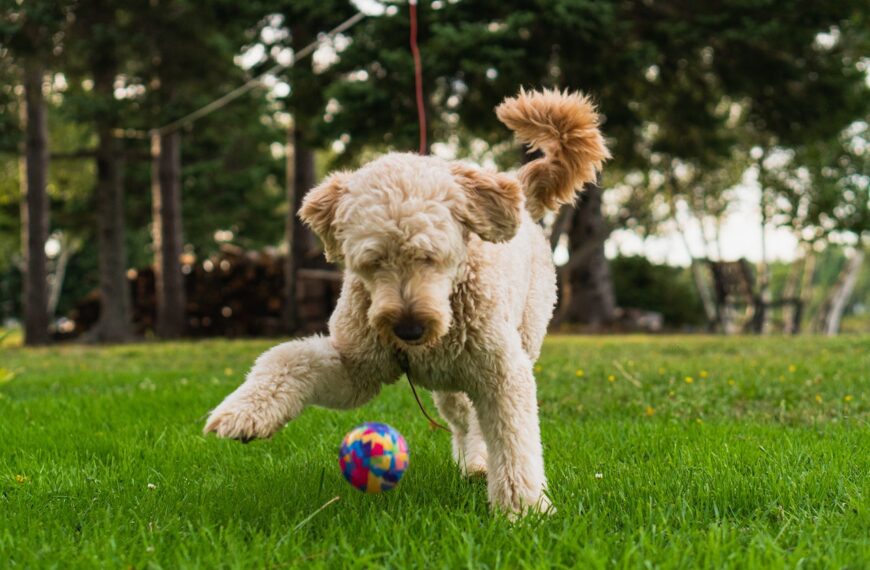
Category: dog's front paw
[515,512]
[469,453]
[243,419]
[473,467]
[514,503]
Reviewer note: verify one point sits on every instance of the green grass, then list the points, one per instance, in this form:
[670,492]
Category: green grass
[762,460]
[10,337]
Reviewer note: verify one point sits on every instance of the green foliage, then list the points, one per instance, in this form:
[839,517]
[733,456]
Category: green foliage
[640,284]
[10,131]
[823,187]
[686,91]
[28,29]
[230,179]
[759,462]
[10,223]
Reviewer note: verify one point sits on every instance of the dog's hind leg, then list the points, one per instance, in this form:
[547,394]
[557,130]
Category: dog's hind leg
[540,299]
[282,382]
[469,447]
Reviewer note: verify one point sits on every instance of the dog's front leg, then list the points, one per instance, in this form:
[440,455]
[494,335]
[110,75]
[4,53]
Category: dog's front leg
[469,447]
[282,382]
[507,409]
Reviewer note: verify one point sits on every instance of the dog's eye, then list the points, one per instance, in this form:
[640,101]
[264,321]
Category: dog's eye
[371,264]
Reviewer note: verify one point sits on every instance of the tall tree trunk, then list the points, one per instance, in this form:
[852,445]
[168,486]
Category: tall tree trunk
[842,292]
[291,229]
[115,318]
[589,297]
[304,242]
[301,243]
[801,269]
[697,269]
[806,288]
[300,240]
[167,234]
[695,265]
[34,207]
[763,266]
[306,92]
[290,313]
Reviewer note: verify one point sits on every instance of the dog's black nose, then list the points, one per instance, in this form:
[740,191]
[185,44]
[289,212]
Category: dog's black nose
[409,330]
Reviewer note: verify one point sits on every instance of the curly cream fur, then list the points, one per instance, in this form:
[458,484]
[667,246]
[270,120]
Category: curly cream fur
[564,126]
[455,249]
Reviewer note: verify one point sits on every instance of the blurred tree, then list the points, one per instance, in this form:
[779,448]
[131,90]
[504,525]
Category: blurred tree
[682,76]
[170,47]
[474,54]
[292,27]
[27,36]
[219,172]
[98,50]
[687,91]
[821,192]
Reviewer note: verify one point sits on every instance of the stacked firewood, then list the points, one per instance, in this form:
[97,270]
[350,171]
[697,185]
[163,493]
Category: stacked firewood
[234,294]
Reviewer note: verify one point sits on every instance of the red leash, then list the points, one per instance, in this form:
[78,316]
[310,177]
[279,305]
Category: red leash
[418,77]
[421,118]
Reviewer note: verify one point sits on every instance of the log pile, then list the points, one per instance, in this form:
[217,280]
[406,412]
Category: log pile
[234,294]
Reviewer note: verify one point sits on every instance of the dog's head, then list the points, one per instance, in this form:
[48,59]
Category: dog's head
[403,224]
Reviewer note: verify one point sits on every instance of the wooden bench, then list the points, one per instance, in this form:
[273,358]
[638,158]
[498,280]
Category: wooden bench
[736,289]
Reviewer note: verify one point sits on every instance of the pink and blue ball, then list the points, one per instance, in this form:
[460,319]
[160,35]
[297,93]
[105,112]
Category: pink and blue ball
[373,457]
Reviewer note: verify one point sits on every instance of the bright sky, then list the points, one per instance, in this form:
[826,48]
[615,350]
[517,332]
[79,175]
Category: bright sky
[741,237]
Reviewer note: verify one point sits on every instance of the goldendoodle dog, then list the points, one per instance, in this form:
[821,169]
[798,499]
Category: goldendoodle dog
[447,275]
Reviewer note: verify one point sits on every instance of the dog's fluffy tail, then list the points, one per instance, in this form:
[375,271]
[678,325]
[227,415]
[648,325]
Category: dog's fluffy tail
[564,126]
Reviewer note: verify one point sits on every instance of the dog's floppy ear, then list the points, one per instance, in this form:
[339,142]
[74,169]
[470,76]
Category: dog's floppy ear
[318,212]
[493,203]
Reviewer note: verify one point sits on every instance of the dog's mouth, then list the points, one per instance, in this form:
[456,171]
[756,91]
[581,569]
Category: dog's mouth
[411,343]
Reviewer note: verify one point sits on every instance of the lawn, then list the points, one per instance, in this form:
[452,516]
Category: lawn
[661,452]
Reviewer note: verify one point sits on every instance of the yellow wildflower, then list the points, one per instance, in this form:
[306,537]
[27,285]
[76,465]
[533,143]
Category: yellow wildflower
[228,371]
[579,373]
[848,398]
[611,378]
[650,410]
[819,398]
[792,368]
[731,382]
[689,379]
[703,374]
[538,368]
[20,479]
[661,370]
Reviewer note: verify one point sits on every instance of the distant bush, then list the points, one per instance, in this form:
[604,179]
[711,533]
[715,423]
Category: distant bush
[640,284]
